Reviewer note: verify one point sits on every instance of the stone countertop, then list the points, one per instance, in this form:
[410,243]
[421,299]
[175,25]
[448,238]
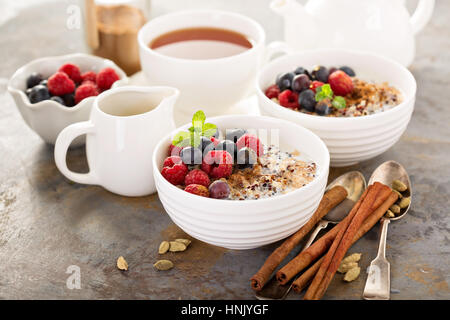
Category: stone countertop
[48,223]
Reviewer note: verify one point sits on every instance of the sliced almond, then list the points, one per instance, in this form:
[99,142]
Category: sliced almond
[122,263]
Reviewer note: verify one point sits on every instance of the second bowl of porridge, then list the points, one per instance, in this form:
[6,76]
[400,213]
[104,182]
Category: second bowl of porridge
[358,103]
[270,194]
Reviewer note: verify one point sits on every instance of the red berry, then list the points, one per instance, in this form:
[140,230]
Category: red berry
[250,141]
[197,176]
[174,170]
[72,71]
[174,150]
[171,161]
[215,141]
[218,164]
[315,84]
[197,189]
[84,91]
[89,76]
[106,77]
[60,84]
[288,99]
[272,92]
[340,83]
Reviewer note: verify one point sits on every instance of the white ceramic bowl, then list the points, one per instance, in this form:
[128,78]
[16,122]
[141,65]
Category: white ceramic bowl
[47,118]
[349,140]
[250,223]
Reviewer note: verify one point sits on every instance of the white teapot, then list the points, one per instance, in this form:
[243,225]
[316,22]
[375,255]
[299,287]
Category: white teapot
[380,26]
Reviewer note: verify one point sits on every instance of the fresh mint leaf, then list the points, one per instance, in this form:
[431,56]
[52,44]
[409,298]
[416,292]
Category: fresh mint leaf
[209,129]
[198,119]
[182,139]
[195,139]
[324,92]
[339,102]
[191,129]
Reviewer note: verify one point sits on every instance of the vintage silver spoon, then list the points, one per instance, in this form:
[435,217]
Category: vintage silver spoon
[355,184]
[378,284]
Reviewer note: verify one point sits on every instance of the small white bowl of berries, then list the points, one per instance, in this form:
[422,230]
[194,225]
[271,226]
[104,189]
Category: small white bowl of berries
[239,181]
[54,92]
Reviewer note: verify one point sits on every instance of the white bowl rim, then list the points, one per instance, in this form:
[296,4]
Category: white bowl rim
[308,117]
[12,89]
[258,27]
[317,179]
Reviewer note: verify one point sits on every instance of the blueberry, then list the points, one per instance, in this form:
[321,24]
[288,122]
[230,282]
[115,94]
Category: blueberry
[349,71]
[191,155]
[34,79]
[228,146]
[284,81]
[300,82]
[234,134]
[331,70]
[206,145]
[320,73]
[27,92]
[43,82]
[307,100]
[246,158]
[57,99]
[39,93]
[301,70]
[323,108]
[69,99]
[219,190]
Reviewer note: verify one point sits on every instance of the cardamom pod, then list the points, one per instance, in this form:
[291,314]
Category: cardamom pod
[399,186]
[355,257]
[163,265]
[404,203]
[389,214]
[164,247]
[398,193]
[352,274]
[176,246]
[122,263]
[186,242]
[395,209]
[344,267]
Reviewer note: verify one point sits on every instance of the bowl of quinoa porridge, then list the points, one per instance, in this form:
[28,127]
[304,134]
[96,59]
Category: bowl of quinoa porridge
[267,201]
[356,124]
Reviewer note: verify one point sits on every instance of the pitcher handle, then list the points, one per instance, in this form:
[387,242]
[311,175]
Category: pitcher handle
[65,138]
[422,15]
[274,48]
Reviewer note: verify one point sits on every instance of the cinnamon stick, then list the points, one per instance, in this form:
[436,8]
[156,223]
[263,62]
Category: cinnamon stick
[330,199]
[301,282]
[306,257]
[343,241]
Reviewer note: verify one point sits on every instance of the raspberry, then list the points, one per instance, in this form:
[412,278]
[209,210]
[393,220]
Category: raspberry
[89,76]
[218,164]
[174,150]
[72,71]
[174,170]
[197,189]
[315,85]
[197,176]
[171,161]
[106,77]
[272,92]
[340,83]
[60,84]
[215,141]
[289,99]
[250,141]
[85,91]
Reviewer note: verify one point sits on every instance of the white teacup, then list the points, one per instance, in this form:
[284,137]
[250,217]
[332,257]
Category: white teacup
[206,82]
[125,125]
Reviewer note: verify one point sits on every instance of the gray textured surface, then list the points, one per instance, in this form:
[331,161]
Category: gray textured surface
[48,223]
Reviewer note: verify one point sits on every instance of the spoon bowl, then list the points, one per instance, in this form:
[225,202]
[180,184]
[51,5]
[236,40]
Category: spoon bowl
[388,172]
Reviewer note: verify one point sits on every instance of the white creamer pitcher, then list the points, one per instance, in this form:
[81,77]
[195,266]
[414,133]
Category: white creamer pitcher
[124,127]
[380,26]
